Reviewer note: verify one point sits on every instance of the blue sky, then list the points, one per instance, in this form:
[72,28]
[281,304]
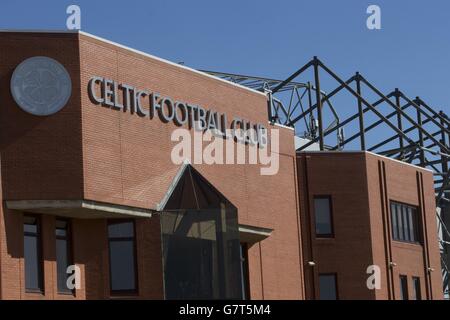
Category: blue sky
[272,38]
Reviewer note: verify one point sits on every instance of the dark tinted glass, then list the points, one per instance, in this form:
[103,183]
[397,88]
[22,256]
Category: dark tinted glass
[121,229]
[201,247]
[30,220]
[122,265]
[327,287]
[62,227]
[322,209]
[244,270]
[62,264]
[122,256]
[61,224]
[404,288]
[32,255]
[201,255]
[417,289]
[62,254]
[405,222]
[411,225]
[31,227]
[401,230]
[406,219]
[394,221]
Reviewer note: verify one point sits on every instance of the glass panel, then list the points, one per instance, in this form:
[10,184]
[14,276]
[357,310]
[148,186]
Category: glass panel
[201,247]
[122,265]
[327,287]
[405,214]
[404,287]
[417,290]
[30,228]
[416,224]
[201,254]
[62,262]
[61,224]
[121,230]
[61,233]
[401,230]
[29,220]
[244,270]
[394,221]
[406,221]
[323,216]
[32,263]
[411,220]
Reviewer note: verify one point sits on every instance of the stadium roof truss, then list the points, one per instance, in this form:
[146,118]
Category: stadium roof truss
[392,124]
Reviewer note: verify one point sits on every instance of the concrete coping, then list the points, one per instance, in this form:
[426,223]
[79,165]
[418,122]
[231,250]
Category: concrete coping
[83,209]
[251,234]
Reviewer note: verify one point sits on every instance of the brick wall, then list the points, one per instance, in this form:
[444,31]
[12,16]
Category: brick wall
[86,151]
[127,158]
[391,180]
[361,186]
[341,176]
[41,156]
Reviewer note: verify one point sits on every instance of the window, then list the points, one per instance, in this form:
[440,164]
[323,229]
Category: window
[63,254]
[417,291]
[244,271]
[32,254]
[404,288]
[122,257]
[405,222]
[328,286]
[323,216]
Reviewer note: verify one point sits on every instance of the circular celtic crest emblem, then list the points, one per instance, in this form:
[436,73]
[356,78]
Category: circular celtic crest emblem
[41,86]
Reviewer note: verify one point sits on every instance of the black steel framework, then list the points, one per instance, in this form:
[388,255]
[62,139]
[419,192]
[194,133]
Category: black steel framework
[392,124]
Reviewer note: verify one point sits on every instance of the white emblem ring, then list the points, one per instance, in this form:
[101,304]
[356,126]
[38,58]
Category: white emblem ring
[41,86]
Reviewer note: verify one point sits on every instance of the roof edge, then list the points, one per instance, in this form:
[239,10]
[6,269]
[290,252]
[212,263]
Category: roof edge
[363,152]
[142,53]
[177,65]
[38,31]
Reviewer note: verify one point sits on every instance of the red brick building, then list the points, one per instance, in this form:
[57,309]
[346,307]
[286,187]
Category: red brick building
[366,195]
[87,180]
